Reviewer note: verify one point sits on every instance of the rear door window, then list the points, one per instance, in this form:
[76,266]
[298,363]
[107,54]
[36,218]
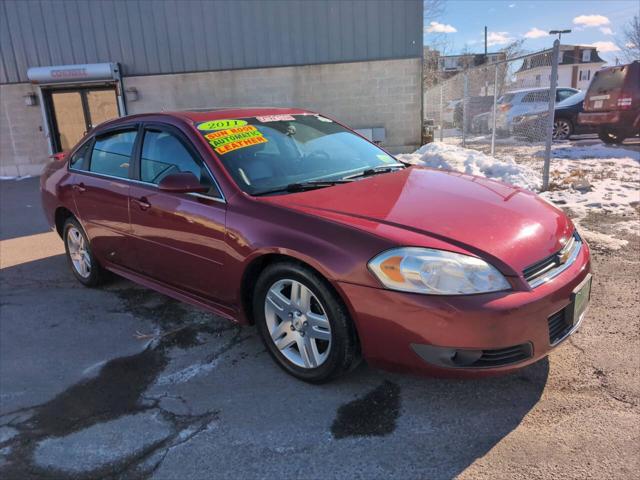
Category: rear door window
[112,154]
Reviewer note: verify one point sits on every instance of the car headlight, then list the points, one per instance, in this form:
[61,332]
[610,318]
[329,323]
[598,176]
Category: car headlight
[436,272]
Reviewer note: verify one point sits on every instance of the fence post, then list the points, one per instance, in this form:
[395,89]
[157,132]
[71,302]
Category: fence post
[441,110]
[552,107]
[465,95]
[493,115]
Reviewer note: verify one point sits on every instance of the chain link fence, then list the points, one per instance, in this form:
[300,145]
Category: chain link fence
[499,108]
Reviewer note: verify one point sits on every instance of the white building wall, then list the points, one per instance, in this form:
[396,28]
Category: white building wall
[527,78]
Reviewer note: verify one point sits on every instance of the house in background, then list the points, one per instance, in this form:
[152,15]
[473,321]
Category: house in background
[576,67]
[450,65]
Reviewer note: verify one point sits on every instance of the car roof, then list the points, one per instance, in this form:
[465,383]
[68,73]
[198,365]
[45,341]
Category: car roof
[537,89]
[207,114]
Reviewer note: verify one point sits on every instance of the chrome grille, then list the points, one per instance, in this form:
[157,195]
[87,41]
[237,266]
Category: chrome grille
[548,268]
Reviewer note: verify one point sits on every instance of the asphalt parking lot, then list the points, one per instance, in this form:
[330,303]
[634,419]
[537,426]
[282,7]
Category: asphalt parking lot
[122,382]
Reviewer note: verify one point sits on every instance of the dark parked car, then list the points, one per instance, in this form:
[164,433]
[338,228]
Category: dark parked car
[288,220]
[533,125]
[612,103]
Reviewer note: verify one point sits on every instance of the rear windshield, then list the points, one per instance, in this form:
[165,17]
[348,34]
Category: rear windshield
[572,100]
[608,80]
[269,152]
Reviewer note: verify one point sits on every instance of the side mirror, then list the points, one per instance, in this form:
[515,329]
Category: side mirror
[183,182]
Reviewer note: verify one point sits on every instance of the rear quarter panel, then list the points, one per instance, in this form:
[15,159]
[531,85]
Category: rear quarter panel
[55,190]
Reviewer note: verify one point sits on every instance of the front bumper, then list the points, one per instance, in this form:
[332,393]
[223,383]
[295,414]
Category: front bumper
[396,329]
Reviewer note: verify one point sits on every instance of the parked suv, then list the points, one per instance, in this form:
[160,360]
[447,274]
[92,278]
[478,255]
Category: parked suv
[612,103]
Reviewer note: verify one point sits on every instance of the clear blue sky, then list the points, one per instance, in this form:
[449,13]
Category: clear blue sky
[597,22]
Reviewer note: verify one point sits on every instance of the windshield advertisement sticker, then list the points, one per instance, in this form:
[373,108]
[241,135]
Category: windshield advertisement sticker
[221,124]
[224,141]
[275,118]
[230,147]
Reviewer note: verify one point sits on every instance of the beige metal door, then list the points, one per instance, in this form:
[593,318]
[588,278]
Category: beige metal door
[70,118]
[75,112]
[103,106]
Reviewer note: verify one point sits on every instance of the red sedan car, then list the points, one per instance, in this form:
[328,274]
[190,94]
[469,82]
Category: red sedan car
[335,250]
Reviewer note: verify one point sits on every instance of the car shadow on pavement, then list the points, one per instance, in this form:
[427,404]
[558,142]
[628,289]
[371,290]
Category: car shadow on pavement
[123,381]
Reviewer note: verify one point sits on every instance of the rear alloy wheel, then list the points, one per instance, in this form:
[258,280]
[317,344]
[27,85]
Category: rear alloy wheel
[82,262]
[303,323]
[562,129]
[611,136]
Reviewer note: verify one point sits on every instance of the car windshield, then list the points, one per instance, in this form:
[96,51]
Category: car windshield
[271,153]
[572,100]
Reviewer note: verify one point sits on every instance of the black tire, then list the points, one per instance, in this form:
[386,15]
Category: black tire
[96,274]
[611,137]
[344,353]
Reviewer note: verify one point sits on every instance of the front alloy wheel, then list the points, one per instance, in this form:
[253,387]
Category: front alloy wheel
[297,323]
[303,323]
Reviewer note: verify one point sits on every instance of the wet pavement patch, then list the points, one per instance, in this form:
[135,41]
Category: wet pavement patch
[112,393]
[105,424]
[109,443]
[178,326]
[375,414]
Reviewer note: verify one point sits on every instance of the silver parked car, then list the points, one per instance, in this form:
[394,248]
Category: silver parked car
[520,102]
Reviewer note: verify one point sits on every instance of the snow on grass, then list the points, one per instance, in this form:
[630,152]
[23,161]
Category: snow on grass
[590,151]
[584,180]
[451,157]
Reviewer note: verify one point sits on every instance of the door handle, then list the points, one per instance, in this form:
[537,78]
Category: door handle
[80,188]
[143,203]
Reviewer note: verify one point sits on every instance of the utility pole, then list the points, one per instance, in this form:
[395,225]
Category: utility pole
[551,114]
[485,42]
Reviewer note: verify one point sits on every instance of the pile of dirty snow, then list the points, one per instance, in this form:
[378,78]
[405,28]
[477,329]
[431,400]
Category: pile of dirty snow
[452,157]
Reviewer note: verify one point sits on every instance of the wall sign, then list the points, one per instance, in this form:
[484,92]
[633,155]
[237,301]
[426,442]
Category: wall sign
[73,73]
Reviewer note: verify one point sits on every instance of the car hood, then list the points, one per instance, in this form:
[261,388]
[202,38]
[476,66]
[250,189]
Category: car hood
[507,225]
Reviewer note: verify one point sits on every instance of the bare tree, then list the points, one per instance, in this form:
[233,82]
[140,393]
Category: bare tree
[433,9]
[438,43]
[514,49]
[629,43]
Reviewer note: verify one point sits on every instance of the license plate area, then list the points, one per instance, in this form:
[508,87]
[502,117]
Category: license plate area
[579,301]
